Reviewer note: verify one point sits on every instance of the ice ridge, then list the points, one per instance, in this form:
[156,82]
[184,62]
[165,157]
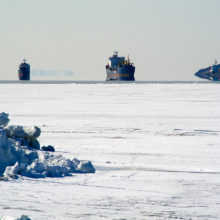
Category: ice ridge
[18,157]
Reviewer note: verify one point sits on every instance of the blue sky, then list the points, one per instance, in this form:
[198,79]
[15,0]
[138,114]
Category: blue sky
[166,39]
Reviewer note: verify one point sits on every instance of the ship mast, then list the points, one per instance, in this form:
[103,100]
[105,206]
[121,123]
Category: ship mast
[128,61]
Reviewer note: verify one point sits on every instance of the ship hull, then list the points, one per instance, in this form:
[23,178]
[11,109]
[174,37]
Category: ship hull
[24,71]
[23,75]
[207,74]
[125,73]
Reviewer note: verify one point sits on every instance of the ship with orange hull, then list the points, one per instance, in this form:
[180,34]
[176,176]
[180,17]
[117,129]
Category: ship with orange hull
[119,69]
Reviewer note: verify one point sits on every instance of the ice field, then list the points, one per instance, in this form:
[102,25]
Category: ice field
[155,148]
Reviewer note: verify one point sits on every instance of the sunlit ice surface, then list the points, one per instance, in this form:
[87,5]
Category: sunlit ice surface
[155,147]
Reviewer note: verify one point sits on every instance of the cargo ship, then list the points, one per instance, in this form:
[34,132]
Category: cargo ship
[24,71]
[211,73]
[119,69]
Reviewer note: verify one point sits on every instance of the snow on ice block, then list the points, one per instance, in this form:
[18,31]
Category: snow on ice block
[4,119]
[16,131]
[86,167]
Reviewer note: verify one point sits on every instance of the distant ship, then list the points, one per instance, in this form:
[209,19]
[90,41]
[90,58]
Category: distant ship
[119,69]
[211,73]
[24,71]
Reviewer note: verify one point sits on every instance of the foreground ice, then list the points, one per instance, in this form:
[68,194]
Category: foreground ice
[155,148]
[17,159]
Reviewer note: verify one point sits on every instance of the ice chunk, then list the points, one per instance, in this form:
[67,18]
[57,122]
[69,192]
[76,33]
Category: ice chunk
[16,169]
[17,159]
[3,137]
[86,167]
[8,152]
[4,178]
[23,217]
[24,142]
[4,120]
[57,171]
[48,148]
[32,156]
[38,167]
[57,165]
[16,131]
[34,143]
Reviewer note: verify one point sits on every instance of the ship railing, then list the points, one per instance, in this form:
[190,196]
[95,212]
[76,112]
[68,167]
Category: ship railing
[114,69]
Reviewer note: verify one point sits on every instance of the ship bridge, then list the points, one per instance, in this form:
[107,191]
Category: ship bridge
[215,67]
[115,59]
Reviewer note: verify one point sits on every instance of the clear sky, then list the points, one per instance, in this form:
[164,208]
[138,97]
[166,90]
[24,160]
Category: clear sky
[165,39]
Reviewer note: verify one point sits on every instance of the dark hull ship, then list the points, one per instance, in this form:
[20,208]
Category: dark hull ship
[210,73]
[24,71]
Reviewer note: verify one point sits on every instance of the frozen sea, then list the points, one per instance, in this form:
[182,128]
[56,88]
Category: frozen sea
[155,147]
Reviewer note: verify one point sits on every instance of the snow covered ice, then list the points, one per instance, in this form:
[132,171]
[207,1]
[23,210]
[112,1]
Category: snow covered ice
[155,148]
